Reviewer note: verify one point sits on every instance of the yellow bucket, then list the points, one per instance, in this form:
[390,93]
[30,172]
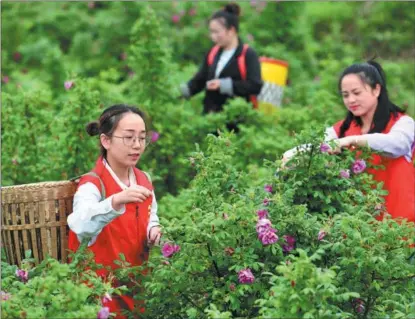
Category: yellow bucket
[274,74]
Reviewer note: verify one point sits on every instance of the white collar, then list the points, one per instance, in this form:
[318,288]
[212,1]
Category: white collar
[131,176]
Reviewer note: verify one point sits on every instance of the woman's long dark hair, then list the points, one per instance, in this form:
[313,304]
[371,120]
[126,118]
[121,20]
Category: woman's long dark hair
[371,73]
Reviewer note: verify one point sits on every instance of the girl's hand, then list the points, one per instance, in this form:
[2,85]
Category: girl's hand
[213,85]
[343,142]
[155,235]
[132,194]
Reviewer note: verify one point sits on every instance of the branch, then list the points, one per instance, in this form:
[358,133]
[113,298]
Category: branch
[311,158]
[369,299]
[214,262]
[191,301]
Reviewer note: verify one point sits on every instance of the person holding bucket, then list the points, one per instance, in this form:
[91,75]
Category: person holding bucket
[374,121]
[114,207]
[230,68]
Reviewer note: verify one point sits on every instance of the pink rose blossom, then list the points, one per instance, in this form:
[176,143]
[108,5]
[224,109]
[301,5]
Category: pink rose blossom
[68,85]
[246,277]
[23,275]
[268,237]
[169,250]
[262,213]
[290,243]
[175,18]
[358,166]
[289,239]
[324,148]
[5,79]
[359,305]
[104,313]
[106,298]
[268,188]
[265,202]
[155,136]
[360,308]
[321,235]
[345,173]
[263,225]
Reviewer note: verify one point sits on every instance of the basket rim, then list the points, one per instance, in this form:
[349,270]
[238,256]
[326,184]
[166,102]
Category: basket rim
[43,185]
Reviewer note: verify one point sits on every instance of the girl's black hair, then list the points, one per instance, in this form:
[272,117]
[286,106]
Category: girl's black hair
[109,119]
[229,16]
[372,74]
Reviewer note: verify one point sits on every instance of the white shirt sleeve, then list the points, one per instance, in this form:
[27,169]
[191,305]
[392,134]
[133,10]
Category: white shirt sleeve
[330,134]
[154,219]
[398,142]
[90,215]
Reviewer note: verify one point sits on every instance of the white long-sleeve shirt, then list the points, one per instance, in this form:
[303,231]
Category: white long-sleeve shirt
[400,141]
[91,214]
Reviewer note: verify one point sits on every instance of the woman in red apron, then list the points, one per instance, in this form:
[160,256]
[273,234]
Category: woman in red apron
[114,208]
[374,121]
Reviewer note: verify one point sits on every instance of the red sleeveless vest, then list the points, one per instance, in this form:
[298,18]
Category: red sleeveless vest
[398,176]
[125,234]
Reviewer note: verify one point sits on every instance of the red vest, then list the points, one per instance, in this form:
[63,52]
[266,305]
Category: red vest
[125,234]
[398,176]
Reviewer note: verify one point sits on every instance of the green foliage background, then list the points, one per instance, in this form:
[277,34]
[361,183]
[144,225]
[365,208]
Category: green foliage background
[134,52]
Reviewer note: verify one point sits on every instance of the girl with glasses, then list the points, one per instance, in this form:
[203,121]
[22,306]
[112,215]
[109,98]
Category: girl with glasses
[114,207]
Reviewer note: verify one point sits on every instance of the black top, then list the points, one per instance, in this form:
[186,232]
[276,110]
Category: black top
[214,100]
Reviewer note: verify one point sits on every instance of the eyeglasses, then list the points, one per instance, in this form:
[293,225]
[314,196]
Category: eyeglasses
[130,140]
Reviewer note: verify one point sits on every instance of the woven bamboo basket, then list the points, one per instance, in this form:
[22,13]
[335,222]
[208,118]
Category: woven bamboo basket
[34,216]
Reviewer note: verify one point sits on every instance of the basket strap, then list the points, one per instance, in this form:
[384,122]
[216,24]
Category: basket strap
[85,242]
[103,195]
[242,63]
[93,174]
[148,176]
[212,54]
